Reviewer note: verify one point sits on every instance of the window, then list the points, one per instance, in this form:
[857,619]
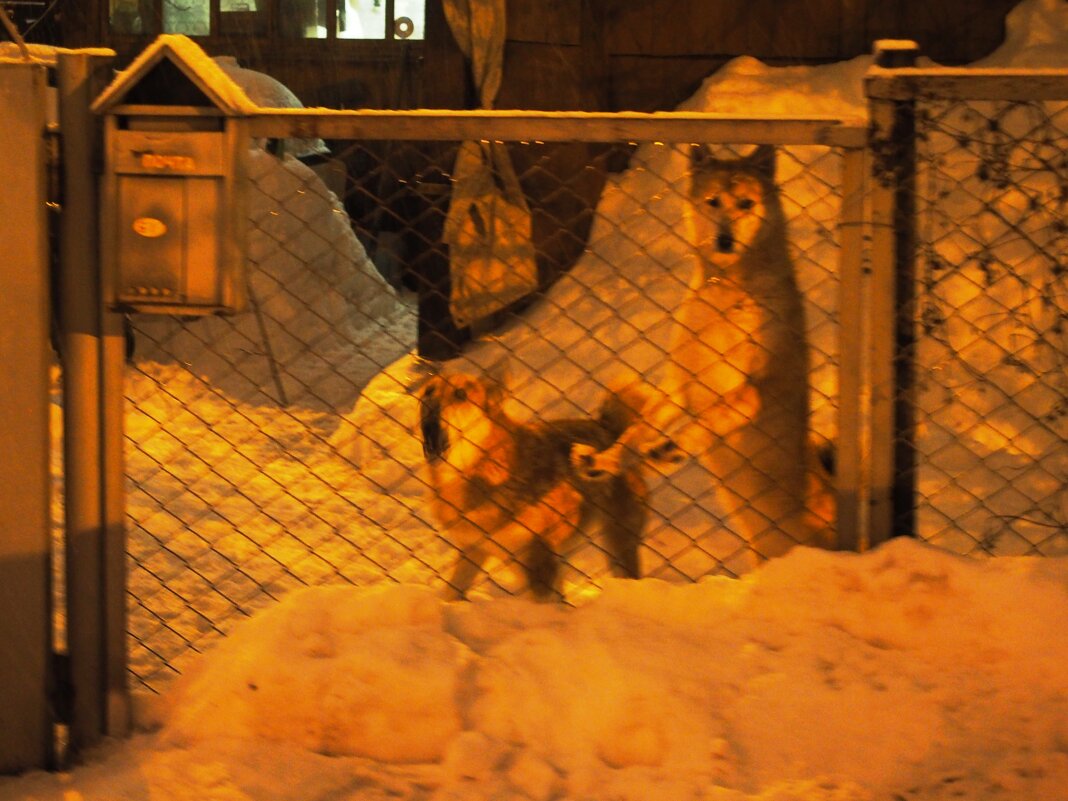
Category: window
[293,19]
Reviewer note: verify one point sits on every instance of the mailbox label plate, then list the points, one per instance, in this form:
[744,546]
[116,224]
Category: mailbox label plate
[165,153]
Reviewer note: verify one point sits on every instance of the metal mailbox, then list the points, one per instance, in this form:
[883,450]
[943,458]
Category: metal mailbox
[175,190]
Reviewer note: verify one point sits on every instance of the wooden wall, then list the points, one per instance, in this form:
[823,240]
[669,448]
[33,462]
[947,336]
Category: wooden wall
[652,54]
[592,54]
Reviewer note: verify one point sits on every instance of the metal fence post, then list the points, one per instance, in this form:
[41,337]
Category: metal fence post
[25,477]
[93,627]
[851,469]
[113,459]
[893,148]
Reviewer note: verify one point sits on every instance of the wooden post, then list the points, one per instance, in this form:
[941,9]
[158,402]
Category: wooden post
[26,679]
[113,485]
[893,477]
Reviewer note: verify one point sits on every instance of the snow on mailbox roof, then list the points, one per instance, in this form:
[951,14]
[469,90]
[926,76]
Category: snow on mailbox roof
[194,63]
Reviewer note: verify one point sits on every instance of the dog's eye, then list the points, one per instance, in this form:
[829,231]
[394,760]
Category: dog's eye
[714,202]
[746,203]
[460,395]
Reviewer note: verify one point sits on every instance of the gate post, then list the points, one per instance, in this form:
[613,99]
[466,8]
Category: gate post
[95,544]
[893,341]
[25,477]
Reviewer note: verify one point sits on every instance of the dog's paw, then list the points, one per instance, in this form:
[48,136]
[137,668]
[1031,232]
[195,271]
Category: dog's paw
[591,464]
[664,450]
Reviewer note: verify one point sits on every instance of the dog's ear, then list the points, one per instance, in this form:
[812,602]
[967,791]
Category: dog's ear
[762,161]
[700,155]
[435,442]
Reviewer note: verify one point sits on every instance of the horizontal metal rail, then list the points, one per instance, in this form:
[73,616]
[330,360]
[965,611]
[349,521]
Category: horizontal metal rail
[556,126]
[943,83]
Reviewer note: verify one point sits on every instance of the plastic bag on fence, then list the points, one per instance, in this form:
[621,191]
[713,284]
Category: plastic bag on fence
[488,231]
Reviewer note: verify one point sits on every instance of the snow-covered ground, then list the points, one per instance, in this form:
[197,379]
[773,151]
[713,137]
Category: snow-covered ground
[906,673]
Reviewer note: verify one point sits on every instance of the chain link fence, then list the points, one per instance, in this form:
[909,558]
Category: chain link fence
[991,394]
[236,493]
[282,447]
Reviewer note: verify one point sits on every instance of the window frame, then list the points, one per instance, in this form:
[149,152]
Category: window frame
[263,24]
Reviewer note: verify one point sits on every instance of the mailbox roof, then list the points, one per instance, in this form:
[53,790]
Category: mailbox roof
[194,63]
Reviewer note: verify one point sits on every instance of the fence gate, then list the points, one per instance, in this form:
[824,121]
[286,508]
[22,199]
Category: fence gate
[279,448]
[970,365]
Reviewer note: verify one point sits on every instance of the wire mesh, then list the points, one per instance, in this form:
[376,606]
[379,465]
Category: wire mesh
[283,447]
[991,394]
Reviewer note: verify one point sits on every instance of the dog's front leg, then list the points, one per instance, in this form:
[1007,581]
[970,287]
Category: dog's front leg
[468,565]
[542,567]
[623,514]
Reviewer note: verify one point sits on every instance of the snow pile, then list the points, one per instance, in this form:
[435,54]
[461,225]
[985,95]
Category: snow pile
[746,85]
[1035,33]
[267,92]
[334,670]
[902,673]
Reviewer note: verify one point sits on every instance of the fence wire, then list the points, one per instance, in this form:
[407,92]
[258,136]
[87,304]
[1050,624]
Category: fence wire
[281,447]
[991,398]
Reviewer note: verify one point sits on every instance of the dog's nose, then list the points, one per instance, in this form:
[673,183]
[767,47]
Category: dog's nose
[725,242]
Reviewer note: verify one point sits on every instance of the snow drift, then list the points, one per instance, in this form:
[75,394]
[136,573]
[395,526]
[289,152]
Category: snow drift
[902,673]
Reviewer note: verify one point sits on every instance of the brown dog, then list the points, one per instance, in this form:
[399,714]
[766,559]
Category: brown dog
[508,489]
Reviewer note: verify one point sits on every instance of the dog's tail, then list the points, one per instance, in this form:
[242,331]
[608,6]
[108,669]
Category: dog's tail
[624,417]
[820,497]
[825,453]
[623,406]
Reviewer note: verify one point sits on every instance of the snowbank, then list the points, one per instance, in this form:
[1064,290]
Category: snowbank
[268,92]
[333,670]
[902,673]
[1035,34]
